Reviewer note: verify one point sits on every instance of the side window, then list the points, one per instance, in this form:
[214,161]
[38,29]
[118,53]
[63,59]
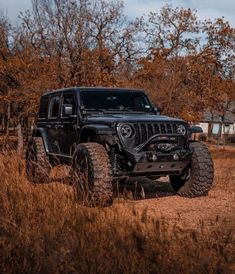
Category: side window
[69,100]
[54,106]
[43,107]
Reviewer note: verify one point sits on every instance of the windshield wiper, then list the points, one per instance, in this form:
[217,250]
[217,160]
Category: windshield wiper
[95,109]
[113,110]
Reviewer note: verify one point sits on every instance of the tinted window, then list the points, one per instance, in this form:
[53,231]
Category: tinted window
[54,106]
[43,107]
[69,99]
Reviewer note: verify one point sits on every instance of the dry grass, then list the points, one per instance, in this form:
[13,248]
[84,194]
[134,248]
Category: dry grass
[43,230]
[224,161]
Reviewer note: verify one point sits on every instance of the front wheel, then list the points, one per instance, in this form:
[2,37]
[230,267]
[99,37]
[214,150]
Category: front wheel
[197,179]
[92,174]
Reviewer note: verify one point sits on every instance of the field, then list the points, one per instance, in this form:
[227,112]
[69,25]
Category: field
[44,230]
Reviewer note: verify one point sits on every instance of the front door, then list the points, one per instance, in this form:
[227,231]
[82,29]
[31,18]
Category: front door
[67,129]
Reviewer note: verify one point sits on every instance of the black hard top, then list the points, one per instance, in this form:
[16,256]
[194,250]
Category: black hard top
[94,89]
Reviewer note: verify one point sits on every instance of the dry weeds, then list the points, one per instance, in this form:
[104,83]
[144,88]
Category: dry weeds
[44,230]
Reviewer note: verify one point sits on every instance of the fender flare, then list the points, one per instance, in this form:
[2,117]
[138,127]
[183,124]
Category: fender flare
[99,129]
[103,131]
[41,132]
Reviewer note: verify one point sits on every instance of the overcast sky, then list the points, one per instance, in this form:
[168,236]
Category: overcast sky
[207,9]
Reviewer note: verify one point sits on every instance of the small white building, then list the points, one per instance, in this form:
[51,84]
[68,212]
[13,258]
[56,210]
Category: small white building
[214,125]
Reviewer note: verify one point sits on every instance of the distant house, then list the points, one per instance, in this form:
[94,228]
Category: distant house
[215,125]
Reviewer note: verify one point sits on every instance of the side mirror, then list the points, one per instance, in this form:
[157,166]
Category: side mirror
[67,109]
[83,110]
[157,110]
[196,129]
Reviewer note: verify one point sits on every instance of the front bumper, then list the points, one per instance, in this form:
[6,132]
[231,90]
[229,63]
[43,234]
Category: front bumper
[158,163]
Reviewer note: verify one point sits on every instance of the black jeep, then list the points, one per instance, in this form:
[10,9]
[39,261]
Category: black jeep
[111,133]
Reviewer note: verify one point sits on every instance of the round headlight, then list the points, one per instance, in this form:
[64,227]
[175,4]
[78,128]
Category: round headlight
[126,131]
[181,129]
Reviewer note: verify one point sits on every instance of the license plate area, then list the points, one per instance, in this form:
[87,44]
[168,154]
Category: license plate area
[167,139]
[163,143]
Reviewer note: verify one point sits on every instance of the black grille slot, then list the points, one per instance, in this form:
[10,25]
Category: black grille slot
[163,128]
[169,128]
[150,129]
[157,128]
[137,134]
[144,131]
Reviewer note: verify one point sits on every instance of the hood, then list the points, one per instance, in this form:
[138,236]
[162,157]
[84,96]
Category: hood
[128,118]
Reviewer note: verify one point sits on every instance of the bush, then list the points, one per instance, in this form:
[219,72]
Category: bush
[230,139]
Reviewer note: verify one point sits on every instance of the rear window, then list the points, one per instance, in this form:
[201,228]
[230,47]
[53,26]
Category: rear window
[43,107]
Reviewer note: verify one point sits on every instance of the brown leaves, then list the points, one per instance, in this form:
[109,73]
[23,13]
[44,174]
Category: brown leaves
[186,65]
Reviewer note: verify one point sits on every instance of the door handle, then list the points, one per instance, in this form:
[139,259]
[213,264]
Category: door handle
[59,126]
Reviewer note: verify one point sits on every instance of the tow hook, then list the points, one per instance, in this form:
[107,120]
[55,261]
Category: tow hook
[152,157]
[183,153]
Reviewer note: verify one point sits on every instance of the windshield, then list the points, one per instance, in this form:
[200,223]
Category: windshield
[115,101]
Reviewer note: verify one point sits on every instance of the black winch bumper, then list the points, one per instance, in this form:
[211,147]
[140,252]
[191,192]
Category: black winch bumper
[159,163]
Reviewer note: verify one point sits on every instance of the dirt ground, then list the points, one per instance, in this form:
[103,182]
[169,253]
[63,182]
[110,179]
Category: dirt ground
[219,205]
[159,199]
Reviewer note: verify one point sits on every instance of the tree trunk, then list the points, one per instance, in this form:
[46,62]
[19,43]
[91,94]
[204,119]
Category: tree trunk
[7,124]
[223,135]
[20,144]
[219,141]
[8,119]
[3,124]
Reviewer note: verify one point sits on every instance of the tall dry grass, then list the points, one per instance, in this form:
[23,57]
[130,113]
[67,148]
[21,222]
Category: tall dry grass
[224,162]
[44,230]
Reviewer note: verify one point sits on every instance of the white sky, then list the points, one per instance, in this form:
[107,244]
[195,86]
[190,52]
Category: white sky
[207,9]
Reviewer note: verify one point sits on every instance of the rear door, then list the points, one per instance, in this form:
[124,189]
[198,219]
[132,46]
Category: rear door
[53,121]
[67,129]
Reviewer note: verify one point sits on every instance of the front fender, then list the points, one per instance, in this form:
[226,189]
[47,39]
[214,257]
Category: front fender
[195,129]
[101,133]
[99,129]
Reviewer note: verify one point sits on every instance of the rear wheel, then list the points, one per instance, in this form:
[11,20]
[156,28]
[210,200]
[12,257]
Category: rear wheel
[37,163]
[197,179]
[92,174]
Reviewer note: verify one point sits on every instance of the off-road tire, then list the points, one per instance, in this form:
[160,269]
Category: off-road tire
[37,163]
[92,174]
[201,173]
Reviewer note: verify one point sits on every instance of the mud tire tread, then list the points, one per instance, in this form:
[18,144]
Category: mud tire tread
[37,170]
[202,174]
[99,168]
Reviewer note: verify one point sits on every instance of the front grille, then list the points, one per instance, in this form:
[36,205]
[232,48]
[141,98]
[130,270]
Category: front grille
[144,131]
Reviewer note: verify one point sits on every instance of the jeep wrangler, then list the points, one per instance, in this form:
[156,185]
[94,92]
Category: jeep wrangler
[109,133]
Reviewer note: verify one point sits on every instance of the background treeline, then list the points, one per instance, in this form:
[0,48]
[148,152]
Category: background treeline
[186,65]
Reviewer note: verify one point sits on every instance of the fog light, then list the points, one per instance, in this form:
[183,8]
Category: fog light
[176,157]
[152,157]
